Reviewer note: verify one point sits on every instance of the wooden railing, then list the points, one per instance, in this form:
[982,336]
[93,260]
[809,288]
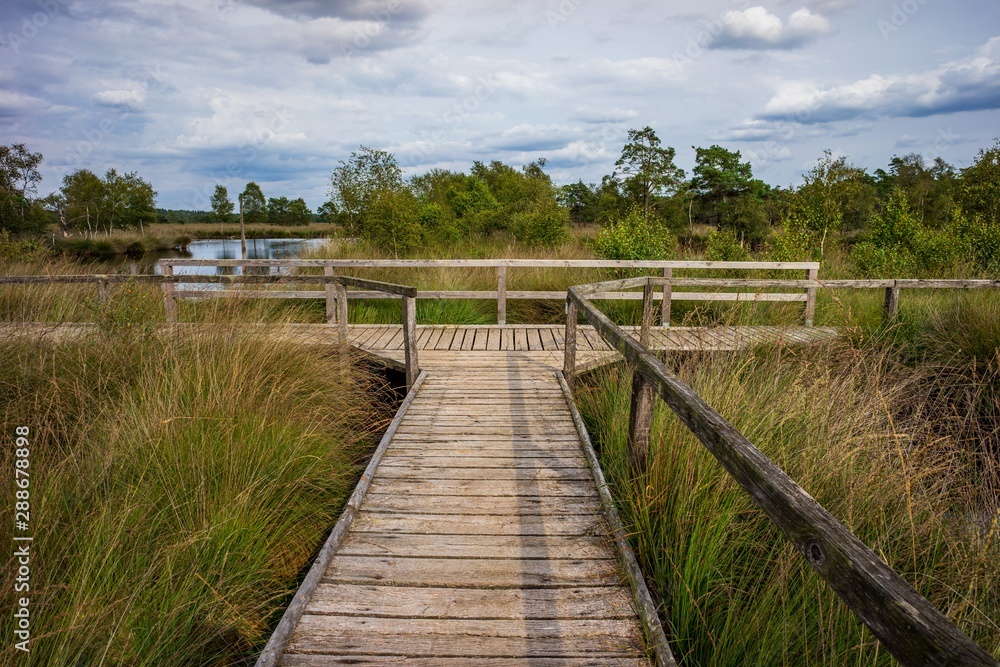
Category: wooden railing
[806,294]
[909,626]
[335,293]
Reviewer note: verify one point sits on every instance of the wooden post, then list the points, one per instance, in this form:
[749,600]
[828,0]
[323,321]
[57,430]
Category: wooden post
[342,312]
[647,315]
[810,313]
[640,423]
[331,297]
[103,293]
[410,339]
[668,290]
[169,302]
[502,294]
[569,347]
[891,307]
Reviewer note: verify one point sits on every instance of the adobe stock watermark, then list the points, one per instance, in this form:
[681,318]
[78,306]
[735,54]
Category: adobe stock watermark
[899,17]
[150,81]
[710,30]
[455,116]
[246,153]
[562,13]
[33,24]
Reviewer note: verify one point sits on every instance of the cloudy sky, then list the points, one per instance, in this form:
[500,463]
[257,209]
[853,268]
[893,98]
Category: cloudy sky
[199,92]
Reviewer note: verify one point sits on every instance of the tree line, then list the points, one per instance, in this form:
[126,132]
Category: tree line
[910,217]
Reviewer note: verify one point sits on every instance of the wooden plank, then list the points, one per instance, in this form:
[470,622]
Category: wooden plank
[520,339]
[469,341]
[475,505]
[500,573]
[467,524]
[493,340]
[327,660]
[471,603]
[507,339]
[394,457]
[515,474]
[588,547]
[484,488]
[534,340]
[433,637]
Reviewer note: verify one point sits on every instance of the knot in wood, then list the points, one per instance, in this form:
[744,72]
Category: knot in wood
[814,552]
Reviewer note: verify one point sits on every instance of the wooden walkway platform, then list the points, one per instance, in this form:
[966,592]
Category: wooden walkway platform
[481,539]
[545,343]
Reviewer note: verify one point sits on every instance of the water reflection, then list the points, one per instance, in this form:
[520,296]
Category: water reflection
[219,249]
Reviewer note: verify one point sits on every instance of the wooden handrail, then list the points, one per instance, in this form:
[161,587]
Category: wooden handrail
[909,626]
[501,294]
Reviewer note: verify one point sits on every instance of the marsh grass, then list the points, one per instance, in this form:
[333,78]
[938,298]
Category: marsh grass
[180,484]
[851,427]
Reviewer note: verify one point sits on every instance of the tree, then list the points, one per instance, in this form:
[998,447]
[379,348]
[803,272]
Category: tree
[358,181]
[581,201]
[648,168]
[277,210]
[222,205]
[253,206]
[298,212]
[19,178]
[979,191]
[831,188]
[720,176]
[116,201]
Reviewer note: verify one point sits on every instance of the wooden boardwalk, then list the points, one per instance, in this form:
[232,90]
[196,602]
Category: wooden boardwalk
[481,540]
[545,343]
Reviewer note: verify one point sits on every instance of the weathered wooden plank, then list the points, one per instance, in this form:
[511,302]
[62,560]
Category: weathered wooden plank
[504,573]
[516,474]
[592,660]
[484,488]
[586,547]
[444,342]
[469,524]
[454,638]
[597,602]
[394,457]
[475,505]
[520,339]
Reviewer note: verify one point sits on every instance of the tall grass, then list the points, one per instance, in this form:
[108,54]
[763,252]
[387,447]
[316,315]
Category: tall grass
[850,425]
[180,483]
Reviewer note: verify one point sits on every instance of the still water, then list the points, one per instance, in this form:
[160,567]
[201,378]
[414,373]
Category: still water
[221,249]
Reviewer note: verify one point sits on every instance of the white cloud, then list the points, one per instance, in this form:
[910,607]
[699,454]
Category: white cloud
[970,84]
[756,28]
[133,100]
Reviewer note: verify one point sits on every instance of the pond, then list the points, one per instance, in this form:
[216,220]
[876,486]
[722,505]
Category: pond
[219,249]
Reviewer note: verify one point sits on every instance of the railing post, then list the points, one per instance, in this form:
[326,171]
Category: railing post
[640,423]
[640,415]
[103,293]
[410,339]
[569,346]
[891,307]
[169,302]
[668,290]
[810,313]
[331,297]
[341,290]
[647,314]
[502,294]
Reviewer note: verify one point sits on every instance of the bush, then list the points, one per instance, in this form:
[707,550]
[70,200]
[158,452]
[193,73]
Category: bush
[723,246]
[635,237]
[546,224]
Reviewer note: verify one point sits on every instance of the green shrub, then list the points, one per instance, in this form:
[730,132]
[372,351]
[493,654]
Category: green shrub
[545,224]
[723,246]
[636,237]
